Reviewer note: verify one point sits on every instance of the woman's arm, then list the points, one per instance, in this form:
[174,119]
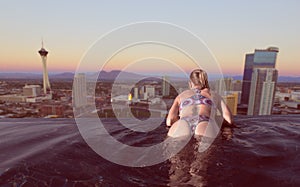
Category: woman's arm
[226,113]
[173,115]
[223,108]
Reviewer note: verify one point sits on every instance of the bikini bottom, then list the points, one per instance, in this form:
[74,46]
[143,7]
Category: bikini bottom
[193,121]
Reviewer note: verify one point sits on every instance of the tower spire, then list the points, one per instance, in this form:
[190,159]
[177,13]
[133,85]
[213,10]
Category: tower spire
[43,53]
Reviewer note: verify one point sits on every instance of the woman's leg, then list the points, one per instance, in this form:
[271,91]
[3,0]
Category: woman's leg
[200,128]
[179,128]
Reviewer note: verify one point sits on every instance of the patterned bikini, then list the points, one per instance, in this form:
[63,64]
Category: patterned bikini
[196,99]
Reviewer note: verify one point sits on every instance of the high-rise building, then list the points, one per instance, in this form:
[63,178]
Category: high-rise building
[150,91]
[136,93]
[165,86]
[262,91]
[237,85]
[223,85]
[142,92]
[79,90]
[46,84]
[261,58]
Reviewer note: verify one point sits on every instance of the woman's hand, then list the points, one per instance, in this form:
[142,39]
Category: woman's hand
[168,122]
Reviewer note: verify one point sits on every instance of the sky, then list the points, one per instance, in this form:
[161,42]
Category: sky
[229,28]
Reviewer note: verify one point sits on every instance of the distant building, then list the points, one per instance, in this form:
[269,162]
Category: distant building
[142,93]
[129,97]
[52,109]
[165,86]
[292,104]
[120,98]
[32,90]
[136,93]
[235,93]
[79,90]
[295,95]
[31,94]
[232,101]
[150,90]
[36,99]
[237,85]
[223,85]
[282,96]
[261,58]
[13,98]
[262,91]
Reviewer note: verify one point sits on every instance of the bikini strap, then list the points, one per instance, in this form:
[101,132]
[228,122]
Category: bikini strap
[198,95]
[197,91]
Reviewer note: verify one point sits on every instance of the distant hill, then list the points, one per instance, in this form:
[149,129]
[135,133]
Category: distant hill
[20,76]
[288,79]
[128,76]
[112,75]
[237,77]
[66,75]
[280,78]
[121,75]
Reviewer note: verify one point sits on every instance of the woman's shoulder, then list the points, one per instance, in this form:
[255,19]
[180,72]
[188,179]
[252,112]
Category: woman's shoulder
[185,94]
[206,92]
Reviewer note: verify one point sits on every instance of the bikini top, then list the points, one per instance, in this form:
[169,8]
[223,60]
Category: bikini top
[196,99]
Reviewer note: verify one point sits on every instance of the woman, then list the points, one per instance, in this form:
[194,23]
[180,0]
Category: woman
[191,110]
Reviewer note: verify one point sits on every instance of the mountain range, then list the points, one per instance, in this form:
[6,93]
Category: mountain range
[112,75]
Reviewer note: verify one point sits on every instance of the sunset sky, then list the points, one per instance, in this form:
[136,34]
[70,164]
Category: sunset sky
[229,28]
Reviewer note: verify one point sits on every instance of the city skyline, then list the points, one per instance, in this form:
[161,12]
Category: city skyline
[229,29]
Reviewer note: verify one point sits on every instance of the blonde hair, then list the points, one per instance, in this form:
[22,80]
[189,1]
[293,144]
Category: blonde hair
[199,78]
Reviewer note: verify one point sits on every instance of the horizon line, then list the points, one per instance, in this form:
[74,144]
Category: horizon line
[146,74]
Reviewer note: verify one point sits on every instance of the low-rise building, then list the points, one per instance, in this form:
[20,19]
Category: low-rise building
[295,95]
[31,90]
[14,98]
[292,104]
[52,109]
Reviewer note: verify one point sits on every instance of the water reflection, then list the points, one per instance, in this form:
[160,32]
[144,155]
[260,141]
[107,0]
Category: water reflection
[227,133]
[190,166]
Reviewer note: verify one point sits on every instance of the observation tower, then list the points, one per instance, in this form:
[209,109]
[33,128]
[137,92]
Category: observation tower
[46,84]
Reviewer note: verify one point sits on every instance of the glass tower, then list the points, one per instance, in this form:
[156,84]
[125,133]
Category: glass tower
[262,91]
[261,58]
